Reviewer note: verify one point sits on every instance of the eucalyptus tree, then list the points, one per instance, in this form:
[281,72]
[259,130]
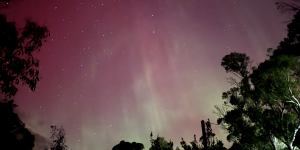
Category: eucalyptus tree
[262,108]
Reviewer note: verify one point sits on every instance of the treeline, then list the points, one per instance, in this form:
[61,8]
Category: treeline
[207,141]
[261,110]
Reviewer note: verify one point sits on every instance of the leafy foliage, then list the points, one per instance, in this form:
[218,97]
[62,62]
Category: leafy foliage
[264,104]
[18,65]
[17,62]
[58,138]
[213,142]
[194,144]
[160,143]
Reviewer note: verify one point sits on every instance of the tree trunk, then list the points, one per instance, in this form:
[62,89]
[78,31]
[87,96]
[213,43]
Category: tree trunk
[290,146]
[273,142]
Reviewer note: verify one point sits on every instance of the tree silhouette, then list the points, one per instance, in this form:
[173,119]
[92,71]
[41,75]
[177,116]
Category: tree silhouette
[212,142]
[290,44]
[58,138]
[263,104]
[160,143]
[17,66]
[17,62]
[13,134]
[128,146]
[194,144]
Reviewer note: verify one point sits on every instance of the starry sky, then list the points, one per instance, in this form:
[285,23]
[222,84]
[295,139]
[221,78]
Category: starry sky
[119,69]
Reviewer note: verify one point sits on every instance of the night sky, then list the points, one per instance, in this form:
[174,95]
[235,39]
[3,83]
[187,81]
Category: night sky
[119,69]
